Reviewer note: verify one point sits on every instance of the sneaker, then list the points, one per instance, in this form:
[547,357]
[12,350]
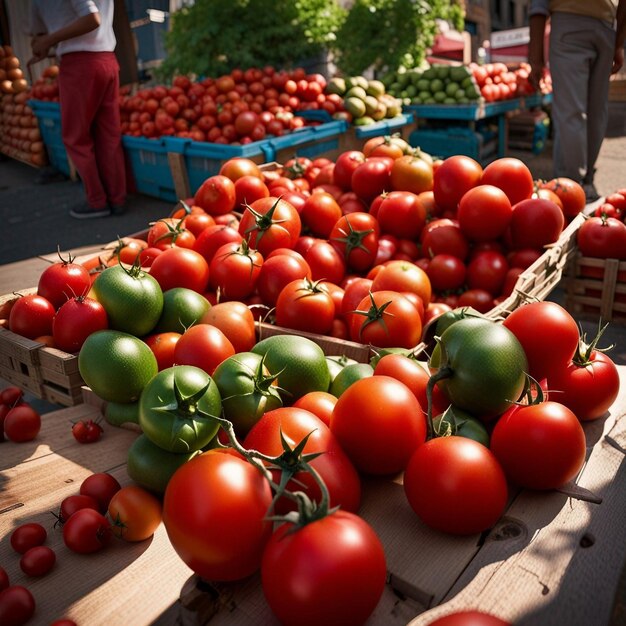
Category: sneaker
[591,193]
[85,212]
[117,209]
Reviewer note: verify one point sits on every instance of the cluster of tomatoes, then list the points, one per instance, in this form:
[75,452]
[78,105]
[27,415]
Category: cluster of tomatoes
[89,519]
[497,81]
[46,87]
[19,421]
[236,108]
[603,235]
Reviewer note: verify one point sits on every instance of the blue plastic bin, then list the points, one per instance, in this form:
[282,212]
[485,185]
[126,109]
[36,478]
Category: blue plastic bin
[452,140]
[150,167]
[48,115]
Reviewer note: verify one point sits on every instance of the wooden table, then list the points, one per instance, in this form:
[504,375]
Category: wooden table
[552,559]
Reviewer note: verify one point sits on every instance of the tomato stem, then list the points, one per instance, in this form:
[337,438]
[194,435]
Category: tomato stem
[443,372]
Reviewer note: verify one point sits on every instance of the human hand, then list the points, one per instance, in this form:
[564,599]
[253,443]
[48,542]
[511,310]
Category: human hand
[40,45]
[618,60]
[536,74]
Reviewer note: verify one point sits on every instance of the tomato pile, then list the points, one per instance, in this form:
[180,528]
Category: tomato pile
[497,81]
[46,87]
[88,520]
[371,248]
[237,108]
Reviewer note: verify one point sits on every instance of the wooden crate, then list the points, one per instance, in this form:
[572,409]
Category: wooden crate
[531,568]
[596,288]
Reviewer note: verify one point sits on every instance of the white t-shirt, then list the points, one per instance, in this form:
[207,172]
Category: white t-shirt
[48,16]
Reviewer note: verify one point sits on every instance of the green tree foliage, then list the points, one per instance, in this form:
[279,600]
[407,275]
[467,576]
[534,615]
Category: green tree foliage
[212,37]
[387,34]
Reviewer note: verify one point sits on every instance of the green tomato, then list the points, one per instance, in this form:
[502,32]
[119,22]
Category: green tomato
[455,421]
[348,375]
[299,363]
[336,363]
[178,407]
[132,299]
[480,366]
[182,308]
[247,389]
[152,467]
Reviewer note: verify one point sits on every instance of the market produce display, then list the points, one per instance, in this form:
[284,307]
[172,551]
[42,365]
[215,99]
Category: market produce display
[371,249]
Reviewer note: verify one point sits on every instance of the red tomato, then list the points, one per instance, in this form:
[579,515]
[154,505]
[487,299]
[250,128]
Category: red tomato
[487,270]
[31,316]
[87,431]
[216,195]
[22,423]
[331,570]
[168,232]
[456,485]
[218,490]
[325,262]
[603,238]
[411,173]
[181,267]
[135,513]
[320,403]
[407,371]
[540,446]
[4,579]
[320,213]
[401,214]
[248,189]
[444,236]
[479,299]
[163,344]
[548,334]
[535,223]
[213,237]
[277,271]
[101,486]
[446,272]
[270,223]
[305,305]
[355,237]
[386,319]
[379,423]
[345,165]
[11,395]
[372,177]
[588,385]
[86,531]
[456,175]
[62,280]
[27,536]
[484,213]
[337,472]
[570,193]
[38,561]
[17,606]
[403,276]
[234,270]
[236,321]
[75,320]
[204,346]
[512,176]
[197,221]
[237,167]
[74,503]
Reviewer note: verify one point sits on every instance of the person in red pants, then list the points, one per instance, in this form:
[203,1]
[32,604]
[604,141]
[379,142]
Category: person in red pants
[82,32]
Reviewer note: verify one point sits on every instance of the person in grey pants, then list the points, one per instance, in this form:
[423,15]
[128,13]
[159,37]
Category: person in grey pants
[586,46]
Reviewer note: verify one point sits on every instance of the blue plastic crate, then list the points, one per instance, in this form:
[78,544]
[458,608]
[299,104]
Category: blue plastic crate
[150,167]
[204,159]
[387,126]
[309,141]
[48,115]
[446,142]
